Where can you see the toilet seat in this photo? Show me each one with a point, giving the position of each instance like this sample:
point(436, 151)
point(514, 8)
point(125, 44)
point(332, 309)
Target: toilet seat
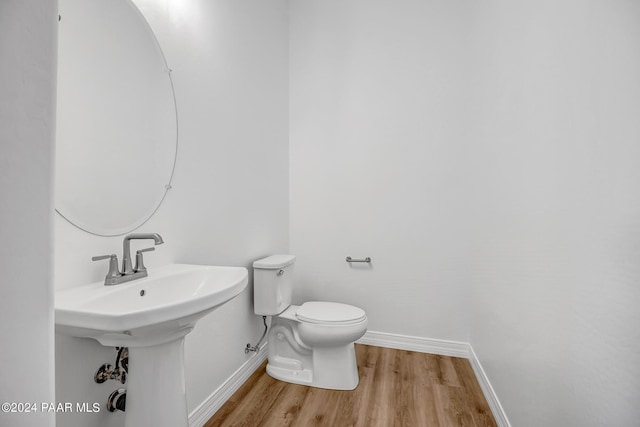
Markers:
point(330, 313)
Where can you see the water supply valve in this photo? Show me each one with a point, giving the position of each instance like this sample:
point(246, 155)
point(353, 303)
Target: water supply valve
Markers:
point(103, 373)
point(108, 372)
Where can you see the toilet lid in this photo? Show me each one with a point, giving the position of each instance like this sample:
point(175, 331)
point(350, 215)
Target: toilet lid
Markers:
point(329, 312)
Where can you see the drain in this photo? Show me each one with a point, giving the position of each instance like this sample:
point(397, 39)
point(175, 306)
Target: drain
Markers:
point(117, 400)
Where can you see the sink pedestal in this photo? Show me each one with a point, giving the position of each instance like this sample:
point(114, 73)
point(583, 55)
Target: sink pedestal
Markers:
point(155, 386)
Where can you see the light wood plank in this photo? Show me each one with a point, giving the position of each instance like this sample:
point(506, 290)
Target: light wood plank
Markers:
point(253, 405)
point(450, 407)
point(318, 408)
point(441, 370)
point(286, 409)
point(397, 388)
point(475, 399)
point(422, 399)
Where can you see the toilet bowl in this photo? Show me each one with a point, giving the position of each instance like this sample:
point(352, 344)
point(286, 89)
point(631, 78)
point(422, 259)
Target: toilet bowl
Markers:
point(310, 344)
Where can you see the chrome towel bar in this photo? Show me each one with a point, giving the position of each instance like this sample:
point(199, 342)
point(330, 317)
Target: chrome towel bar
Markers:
point(349, 259)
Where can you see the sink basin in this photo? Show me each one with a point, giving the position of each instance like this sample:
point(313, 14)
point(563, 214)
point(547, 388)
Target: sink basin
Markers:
point(150, 316)
point(147, 311)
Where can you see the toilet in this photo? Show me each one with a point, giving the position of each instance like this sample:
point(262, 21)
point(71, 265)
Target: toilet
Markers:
point(310, 344)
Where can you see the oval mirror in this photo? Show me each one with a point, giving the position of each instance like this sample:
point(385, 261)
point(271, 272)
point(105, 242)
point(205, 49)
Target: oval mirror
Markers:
point(116, 118)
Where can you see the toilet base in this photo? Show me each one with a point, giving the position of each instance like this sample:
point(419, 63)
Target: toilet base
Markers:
point(323, 365)
point(334, 368)
point(295, 376)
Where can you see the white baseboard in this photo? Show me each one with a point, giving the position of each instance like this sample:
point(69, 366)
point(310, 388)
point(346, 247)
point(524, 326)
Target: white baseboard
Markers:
point(421, 345)
point(444, 348)
point(205, 411)
point(487, 390)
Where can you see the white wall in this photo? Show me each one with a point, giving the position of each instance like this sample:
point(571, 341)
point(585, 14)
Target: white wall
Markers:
point(556, 143)
point(486, 155)
point(229, 202)
point(27, 123)
point(378, 100)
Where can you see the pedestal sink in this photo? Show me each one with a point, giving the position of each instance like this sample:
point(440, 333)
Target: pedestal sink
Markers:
point(151, 316)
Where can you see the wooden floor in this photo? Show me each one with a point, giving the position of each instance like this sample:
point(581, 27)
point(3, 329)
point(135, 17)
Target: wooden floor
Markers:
point(397, 388)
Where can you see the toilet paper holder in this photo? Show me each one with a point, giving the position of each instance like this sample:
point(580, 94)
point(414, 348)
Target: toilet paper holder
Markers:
point(349, 259)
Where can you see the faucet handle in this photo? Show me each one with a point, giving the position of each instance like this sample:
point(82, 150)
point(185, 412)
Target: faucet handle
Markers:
point(101, 257)
point(139, 261)
point(113, 267)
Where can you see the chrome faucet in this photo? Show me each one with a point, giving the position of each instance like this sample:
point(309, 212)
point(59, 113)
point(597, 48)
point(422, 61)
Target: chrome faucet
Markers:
point(126, 250)
point(114, 276)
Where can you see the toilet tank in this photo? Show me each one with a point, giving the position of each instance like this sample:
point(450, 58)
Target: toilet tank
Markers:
point(272, 284)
